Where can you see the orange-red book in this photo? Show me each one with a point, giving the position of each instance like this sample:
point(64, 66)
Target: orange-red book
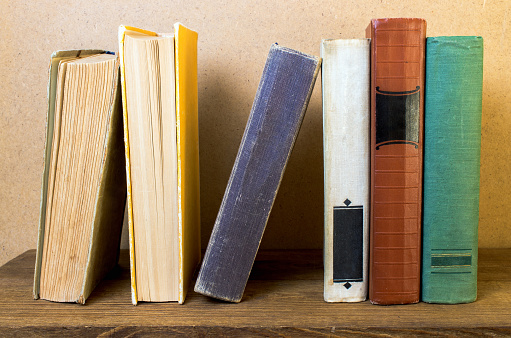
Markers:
point(397, 123)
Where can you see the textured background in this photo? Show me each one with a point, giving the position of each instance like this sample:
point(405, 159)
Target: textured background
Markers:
point(234, 39)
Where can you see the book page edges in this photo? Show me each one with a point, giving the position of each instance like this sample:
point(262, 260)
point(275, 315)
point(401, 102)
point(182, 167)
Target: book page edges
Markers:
point(187, 155)
point(52, 82)
point(110, 200)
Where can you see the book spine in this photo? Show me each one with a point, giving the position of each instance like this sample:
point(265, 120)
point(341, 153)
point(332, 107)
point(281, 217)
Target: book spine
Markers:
point(277, 113)
point(346, 121)
point(397, 122)
point(452, 149)
point(50, 117)
point(187, 115)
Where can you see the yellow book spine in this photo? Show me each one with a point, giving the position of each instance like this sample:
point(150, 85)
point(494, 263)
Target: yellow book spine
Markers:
point(187, 154)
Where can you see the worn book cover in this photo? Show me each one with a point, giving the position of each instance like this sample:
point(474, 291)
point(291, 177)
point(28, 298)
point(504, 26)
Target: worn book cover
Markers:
point(187, 143)
point(452, 151)
point(103, 240)
point(397, 124)
point(277, 113)
point(346, 120)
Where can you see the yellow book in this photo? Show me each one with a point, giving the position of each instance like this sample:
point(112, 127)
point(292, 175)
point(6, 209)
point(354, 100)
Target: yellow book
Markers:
point(160, 109)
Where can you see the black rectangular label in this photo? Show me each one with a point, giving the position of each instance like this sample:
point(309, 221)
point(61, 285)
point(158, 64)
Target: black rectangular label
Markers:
point(397, 117)
point(451, 260)
point(348, 244)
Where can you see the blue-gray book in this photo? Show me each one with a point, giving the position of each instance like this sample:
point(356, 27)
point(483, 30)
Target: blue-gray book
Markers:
point(275, 119)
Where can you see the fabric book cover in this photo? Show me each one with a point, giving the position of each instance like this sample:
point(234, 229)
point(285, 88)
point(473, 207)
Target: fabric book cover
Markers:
point(277, 113)
point(452, 149)
point(397, 124)
point(99, 240)
point(346, 119)
point(187, 240)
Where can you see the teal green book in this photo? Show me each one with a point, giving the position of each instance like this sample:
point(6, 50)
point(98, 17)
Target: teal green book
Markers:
point(452, 149)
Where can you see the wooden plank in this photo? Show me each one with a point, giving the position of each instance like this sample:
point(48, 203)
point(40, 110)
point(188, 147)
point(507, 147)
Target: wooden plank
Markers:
point(284, 296)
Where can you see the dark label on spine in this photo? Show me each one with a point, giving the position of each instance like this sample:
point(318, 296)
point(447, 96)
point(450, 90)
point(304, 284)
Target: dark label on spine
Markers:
point(450, 261)
point(348, 244)
point(397, 117)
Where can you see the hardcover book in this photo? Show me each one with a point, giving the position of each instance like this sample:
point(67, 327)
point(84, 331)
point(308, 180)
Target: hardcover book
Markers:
point(159, 83)
point(346, 120)
point(277, 113)
point(452, 149)
point(397, 123)
point(83, 184)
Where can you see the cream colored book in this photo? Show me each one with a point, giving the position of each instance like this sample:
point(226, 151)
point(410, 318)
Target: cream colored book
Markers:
point(346, 123)
point(159, 83)
point(84, 187)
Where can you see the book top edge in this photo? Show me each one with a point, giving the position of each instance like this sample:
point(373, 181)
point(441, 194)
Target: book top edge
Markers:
point(397, 19)
point(346, 42)
point(78, 52)
point(123, 29)
point(160, 36)
point(129, 30)
point(397, 25)
point(293, 51)
point(466, 38)
point(97, 58)
point(179, 25)
point(474, 43)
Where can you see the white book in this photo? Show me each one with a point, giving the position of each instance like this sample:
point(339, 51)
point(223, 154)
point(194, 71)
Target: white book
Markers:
point(346, 145)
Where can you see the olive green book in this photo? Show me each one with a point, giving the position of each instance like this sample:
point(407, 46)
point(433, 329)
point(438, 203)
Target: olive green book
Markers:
point(83, 185)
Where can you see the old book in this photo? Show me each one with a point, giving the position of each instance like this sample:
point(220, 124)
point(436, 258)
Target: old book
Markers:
point(346, 120)
point(159, 82)
point(278, 110)
point(397, 124)
point(84, 187)
point(452, 149)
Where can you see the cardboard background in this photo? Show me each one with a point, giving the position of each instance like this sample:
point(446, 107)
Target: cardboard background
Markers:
point(234, 39)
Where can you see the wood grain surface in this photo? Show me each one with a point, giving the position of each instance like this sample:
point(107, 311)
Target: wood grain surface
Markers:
point(284, 297)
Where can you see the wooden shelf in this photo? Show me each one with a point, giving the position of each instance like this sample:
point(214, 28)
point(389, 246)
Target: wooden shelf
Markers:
point(284, 296)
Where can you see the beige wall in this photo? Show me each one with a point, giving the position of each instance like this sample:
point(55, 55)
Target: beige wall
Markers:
point(234, 38)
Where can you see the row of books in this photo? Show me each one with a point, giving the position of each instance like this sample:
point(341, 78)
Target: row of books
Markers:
point(402, 137)
point(90, 172)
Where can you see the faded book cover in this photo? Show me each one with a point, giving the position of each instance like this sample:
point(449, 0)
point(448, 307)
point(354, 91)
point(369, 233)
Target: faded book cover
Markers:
point(452, 151)
point(346, 120)
point(277, 113)
point(397, 124)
